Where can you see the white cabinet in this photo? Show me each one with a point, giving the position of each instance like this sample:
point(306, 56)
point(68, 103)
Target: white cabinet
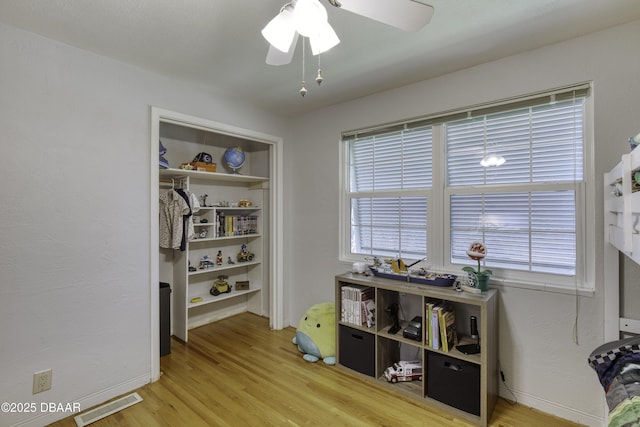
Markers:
point(622, 231)
point(234, 220)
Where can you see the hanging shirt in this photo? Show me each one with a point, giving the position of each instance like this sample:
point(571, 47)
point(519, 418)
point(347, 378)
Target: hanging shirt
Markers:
point(195, 207)
point(173, 207)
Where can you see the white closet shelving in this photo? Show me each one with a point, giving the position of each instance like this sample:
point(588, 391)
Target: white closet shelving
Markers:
point(622, 231)
point(192, 303)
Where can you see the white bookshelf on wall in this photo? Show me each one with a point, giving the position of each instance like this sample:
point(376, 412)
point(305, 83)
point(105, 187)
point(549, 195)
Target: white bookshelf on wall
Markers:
point(621, 235)
point(231, 228)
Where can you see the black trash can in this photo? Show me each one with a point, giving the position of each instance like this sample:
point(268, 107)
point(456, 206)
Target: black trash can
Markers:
point(165, 319)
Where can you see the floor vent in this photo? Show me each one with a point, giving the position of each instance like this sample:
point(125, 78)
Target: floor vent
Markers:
point(107, 409)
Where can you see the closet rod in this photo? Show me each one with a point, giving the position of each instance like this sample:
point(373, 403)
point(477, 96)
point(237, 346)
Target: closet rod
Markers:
point(172, 181)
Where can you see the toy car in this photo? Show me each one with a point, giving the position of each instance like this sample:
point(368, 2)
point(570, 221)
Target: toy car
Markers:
point(220, 286)
point(244, 255)
point(404, 371)
point(206, 262)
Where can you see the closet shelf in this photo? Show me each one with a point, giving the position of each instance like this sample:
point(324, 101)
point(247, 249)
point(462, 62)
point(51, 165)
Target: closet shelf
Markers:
point(214, 239)
point(210, 299)
point(224, 267)
point(212, 176)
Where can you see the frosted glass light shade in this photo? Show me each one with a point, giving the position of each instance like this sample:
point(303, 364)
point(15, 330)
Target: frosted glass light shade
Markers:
point(325, 40)
point(280, 31)
point(492, 160)
point(309, 17)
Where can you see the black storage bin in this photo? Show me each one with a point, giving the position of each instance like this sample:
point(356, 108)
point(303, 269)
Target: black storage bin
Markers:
point(165, 319)
point(454, 382)
point(357, 350)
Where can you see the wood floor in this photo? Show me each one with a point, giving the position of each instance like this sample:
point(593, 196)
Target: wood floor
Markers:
point(237, 372)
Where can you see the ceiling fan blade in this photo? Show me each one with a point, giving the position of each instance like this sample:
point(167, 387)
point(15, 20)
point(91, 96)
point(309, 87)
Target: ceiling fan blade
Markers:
point(408, 15)
point(277, 57)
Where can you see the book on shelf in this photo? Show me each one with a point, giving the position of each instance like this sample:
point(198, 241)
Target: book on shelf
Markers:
point(447, 324)
point(435, 327)
point(235, 225)
point(357, 305)
point(428, 317)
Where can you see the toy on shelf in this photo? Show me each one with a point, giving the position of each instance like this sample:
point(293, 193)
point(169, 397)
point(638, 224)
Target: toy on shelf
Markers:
point(404, 371)
point(206, 262)
point(396, 269)
point(220, 286)
point(244, 255)
point(219, 258)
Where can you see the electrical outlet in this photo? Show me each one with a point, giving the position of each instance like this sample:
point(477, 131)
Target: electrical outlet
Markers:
point(42, 381)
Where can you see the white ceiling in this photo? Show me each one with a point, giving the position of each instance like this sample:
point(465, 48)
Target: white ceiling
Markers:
point(217, 43)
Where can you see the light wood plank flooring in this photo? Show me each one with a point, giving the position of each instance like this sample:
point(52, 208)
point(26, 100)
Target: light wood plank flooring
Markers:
point(238, 372)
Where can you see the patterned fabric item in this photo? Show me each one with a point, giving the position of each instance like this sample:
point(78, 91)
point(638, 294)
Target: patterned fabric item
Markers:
point(617, 367)
point(608, 364)
point(626, 414)
point(172, 209)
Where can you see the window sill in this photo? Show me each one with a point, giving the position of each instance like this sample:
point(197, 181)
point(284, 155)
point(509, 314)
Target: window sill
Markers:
point(513, 283)
point(542, 287)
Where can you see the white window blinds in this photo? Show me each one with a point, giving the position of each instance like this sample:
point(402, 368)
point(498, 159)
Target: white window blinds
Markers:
point(530, 211)
point(389, 176)
point(534, 228)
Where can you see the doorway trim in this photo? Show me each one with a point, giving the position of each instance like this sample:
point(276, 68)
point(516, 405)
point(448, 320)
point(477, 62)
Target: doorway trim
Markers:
point(276, 219)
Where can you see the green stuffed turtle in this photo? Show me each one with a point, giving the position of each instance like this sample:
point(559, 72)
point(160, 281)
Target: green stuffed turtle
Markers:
point(316, 334)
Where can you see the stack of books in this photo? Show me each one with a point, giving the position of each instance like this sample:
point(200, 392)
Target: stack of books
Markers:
point(358, 306)
point(440, 319)
point(235, 225)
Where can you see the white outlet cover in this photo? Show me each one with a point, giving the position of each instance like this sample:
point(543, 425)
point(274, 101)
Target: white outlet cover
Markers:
point(42, 381)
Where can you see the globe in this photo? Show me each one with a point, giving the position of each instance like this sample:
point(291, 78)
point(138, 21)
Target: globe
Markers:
point(234, 158)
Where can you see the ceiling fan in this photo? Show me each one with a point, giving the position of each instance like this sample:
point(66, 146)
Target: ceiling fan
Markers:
point(309, 19)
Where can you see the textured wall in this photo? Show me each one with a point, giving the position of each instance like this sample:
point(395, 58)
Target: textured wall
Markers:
point(74, 230)
point(540, 359)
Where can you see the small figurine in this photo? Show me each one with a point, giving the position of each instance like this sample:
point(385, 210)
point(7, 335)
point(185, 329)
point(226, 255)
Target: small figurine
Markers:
point(220, 286)
point(230, 261)
point(206, 262)
point(244, 255)
point(204, 200)
point(219, 258)
point(203, 233)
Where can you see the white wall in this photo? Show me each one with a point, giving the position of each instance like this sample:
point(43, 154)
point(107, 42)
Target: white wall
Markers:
point(74, 255)
point(74, 229)
point(541, 362)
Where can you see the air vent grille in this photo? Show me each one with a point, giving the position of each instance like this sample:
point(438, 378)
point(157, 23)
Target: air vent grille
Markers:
point(107, 409)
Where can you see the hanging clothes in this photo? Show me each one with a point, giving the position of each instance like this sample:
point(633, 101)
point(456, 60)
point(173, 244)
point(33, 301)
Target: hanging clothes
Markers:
point(195, 207)
point(185, 219)
point(173, 207)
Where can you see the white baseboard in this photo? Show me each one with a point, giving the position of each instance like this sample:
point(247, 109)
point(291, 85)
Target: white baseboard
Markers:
point(86, 402)
point(554, 408)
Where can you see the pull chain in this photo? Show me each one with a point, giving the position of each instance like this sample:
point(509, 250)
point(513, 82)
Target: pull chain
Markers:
point(303, 89)
point(319, 77)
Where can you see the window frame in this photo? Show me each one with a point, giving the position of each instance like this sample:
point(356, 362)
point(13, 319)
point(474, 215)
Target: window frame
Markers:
point(439, 199)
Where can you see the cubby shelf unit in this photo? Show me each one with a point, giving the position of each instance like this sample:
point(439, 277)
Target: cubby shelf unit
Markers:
point(373, 348)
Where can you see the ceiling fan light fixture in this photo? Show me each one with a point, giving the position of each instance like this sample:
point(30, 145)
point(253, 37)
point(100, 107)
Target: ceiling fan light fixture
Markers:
point(309, 16)
point(280, 31)
point(325, 40)
point(492, 160)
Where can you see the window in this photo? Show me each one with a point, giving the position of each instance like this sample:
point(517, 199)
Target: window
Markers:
point(529, 211)
point(390, 177)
